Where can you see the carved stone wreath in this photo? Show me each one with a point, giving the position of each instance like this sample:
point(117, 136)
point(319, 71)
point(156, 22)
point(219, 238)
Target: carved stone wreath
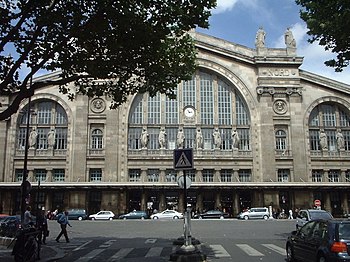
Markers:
point(98, 105)
point(280, 107)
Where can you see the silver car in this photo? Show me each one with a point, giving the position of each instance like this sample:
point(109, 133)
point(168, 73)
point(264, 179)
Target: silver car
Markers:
point(306, 215)
point(255, 213)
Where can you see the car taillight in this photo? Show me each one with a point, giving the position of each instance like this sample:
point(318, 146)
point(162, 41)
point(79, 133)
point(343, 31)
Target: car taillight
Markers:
point(339, 247)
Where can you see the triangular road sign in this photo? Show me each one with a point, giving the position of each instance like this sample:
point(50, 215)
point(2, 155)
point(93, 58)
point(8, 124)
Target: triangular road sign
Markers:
point(183, 161)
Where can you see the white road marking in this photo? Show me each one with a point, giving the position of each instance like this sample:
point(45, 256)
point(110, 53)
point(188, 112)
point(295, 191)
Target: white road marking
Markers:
point(83, 245)
point(151, 241)
point(120, 254)
point(249, 250)
point(275, 248)
point(90, 255)
point(219, 251)
point(154, 252)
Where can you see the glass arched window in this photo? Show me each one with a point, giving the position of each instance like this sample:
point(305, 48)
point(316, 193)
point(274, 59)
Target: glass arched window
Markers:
point(281, 140)
point(49, 120)
point(97, 139)
point(213, 102)
point(329, 128)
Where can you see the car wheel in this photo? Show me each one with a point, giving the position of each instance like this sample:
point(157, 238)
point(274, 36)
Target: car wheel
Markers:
point(246, 217)
point(142, 218)
point(80, 218)
point(290, 253)
point(266, 217)
point(111, 218)
point(92, 218)
point(175, 217)
point(124, 218)
point(200, 217)
point(155, 217)
point(222, 217)
point(321, 258)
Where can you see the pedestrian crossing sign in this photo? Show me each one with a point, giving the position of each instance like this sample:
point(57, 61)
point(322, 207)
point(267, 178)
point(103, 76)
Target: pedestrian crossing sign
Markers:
point(183, 158)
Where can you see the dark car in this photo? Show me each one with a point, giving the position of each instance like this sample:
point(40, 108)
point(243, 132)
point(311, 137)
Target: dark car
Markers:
point(134, 215)
point(212, 214)
point(77, 214)
point(321, 241)
point(306, 215)
point(9, 226)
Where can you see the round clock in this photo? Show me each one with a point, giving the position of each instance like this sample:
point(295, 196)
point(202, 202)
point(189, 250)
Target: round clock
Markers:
point(189, 111)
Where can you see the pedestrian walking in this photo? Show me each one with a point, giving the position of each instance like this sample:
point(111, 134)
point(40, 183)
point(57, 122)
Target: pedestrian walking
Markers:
point(290, 214)
point(42, 227)
point(63, 221)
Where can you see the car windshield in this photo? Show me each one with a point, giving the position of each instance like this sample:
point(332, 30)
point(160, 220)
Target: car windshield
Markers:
point(344, 231)
point(320, 215)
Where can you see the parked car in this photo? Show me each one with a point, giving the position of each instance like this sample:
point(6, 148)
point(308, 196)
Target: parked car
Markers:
point(9, 226)
point(212, 214)
point(167, 214)
point(106, 215)
point(77, 214)
point(255, 213)
point(320, 240)
point(134, 215)
point(306, 215)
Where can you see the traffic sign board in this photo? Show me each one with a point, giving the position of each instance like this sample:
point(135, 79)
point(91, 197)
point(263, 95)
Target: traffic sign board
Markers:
point(183, 158)
point(317, 202)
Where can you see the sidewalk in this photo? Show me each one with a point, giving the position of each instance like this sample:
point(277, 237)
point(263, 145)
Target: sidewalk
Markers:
point(48, 252)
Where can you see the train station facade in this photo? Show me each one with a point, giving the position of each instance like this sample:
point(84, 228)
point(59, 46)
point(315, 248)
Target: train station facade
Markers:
point(263, 133)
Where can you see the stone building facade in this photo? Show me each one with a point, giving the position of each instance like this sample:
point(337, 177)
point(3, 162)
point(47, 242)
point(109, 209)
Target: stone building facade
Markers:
point(263, 133)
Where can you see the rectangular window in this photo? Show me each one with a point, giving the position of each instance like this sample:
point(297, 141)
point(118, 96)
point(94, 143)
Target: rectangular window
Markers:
point(134, 175)
point(58, 175)
point(329, 118)
point(21, 138)
point(191, 174)
point(226, 138)
point(332, 141)
point(189, 92)
point(244, 135)
point(208, 175)
point(226, 175)
point(334, 176)
point(44, 113)
point(95, 174)
point(171, 111)
point(241, 113)
point(344, 119)
point(224, 103)
point(171, 176)
point(190, 137)
point(171, 137)
point(314, 140)
point(207, 138)
point(61, 138)
point(18, 175)
point(316, 176)
point(40, 174)
point(134, 138)
point(153, 175)
point(136, 117)
point(42, 138)
point(154, 109)
point(347, 176)
point(346, 135)
point(61, 117)
point(206, 99)
point(244, 175)
point(283, 175)
point(153, 142)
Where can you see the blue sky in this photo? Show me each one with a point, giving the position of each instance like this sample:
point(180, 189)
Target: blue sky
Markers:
point(238, 21)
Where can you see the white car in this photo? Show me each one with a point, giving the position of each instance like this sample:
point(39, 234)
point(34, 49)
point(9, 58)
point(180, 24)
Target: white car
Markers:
point(106, 215)
point(167, 214)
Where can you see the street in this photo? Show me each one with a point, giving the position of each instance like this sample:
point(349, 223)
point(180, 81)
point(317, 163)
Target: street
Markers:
point(152, 240)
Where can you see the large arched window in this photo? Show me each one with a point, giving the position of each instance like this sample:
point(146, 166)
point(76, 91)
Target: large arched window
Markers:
point(49, 120)
point(203, 103)
point(329, 128)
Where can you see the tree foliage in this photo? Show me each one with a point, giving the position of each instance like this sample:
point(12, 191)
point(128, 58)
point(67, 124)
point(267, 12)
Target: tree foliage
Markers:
point(328, 22)
point(106, 47)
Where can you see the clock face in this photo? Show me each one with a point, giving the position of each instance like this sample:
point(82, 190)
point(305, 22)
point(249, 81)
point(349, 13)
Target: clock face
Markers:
point(189, 111)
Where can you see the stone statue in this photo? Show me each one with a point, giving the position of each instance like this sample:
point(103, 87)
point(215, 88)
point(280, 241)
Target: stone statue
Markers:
point(323, 140)
point(33, 138)
point(289, 39)
point(340, 140)
point(260, 38)
point(235, 138)
point(51, 138)
point(144, 138)
point(180, 138)
point(162, 138)
point(217, 138)
point(199, 139)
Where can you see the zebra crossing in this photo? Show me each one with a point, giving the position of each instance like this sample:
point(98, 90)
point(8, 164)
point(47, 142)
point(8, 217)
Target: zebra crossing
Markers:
point(111, 251)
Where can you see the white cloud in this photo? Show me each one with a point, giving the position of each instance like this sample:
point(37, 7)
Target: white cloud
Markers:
point(224, 6)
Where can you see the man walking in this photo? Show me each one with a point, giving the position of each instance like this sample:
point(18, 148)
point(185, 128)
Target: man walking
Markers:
point(63, 221)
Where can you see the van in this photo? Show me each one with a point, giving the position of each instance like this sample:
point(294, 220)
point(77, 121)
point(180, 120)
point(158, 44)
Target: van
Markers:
point(77, 214)
point(255, 213)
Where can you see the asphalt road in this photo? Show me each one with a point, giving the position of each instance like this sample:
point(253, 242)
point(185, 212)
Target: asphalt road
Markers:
point(153, 240)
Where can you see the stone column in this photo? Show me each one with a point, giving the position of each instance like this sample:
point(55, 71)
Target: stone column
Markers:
point(345, 203)
point(199, 176)
point(218, 200)
point(162, 202)
point(49, 175)
point(144, 176)
point(327, 204)
point(236, 209)
point(217, 177)
point(143, 200)
point(31, 177)
point(235, 177)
